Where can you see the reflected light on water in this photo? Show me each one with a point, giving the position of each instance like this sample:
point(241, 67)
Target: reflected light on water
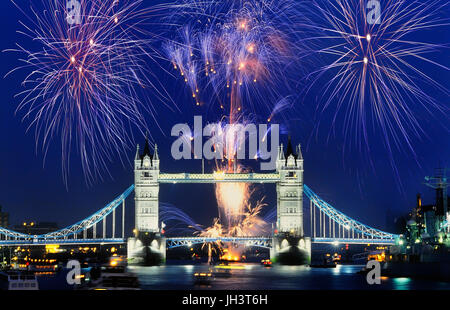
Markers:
point(257, 277)
point(189, 267)
point(337, 270)
point(401, 283)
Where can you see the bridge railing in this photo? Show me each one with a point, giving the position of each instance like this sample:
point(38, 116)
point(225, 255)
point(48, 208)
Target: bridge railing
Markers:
point(218, 177)
point(34, 242)
point(173, 242)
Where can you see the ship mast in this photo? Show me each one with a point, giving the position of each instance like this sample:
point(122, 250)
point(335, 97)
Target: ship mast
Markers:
point(439, 182)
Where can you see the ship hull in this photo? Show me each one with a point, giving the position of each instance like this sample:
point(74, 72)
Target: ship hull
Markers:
point(425, 270)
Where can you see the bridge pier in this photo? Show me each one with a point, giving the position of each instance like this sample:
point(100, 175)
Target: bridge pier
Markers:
point(289, 244)
point(146, 249)
point(289, 249)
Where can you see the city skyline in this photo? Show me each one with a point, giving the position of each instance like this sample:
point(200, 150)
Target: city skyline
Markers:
point(29, 190)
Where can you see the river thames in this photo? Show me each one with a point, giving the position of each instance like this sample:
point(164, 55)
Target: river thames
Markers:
point(256, 277)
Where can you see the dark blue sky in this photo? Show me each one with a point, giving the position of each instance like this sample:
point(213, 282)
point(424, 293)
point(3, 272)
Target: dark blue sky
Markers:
point(32, 190)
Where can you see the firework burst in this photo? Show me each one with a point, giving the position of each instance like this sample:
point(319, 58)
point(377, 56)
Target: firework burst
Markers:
point(375, 78)
point(234, 54)
point(85, 71)
point(237, 218)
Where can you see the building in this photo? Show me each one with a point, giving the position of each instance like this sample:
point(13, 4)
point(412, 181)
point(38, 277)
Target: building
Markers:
point(4, 218)
point(34, 228)
point(428, 219)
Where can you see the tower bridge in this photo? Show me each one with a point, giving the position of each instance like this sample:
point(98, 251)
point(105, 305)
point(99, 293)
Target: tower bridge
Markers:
point(327, 224)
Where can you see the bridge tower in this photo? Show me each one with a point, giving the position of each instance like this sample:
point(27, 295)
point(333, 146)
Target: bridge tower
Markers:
point(290, 191)
point(146, 171)
point(290, 245)
point(148, 246)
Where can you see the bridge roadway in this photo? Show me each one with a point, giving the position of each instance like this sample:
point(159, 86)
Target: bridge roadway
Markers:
point(353, 241)
point(173, 242)
point(264, 242)
point(218, 177)
point(100, 241)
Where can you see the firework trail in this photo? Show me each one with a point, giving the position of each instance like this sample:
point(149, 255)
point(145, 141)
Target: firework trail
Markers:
point(86, 75)
point(234, 55)
point(374, 73)
point(251, 222)
point(244, 220)
point(177, 222)
point(247, 221)
point(236, 215)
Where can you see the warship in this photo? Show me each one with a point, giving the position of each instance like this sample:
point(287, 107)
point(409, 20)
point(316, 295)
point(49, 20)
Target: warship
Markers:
point(423, 250)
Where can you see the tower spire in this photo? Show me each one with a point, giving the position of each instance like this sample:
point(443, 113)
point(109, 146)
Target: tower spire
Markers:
point(155, 155)
point(280, 152)
point(299, 152)
point(290, 149)
point(147, 148)
point(137, 157)
point(146, 151)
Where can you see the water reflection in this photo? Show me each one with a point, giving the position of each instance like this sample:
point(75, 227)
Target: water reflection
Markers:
point(402, 283)
point(257, 277)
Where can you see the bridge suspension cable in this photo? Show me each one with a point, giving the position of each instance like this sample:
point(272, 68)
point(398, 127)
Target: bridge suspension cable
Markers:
point(80, 227)
point(92, 220)
point(328, 224)
point(12, 234)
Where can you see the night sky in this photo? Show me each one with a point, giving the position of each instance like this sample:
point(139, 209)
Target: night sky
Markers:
point(33, 189)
